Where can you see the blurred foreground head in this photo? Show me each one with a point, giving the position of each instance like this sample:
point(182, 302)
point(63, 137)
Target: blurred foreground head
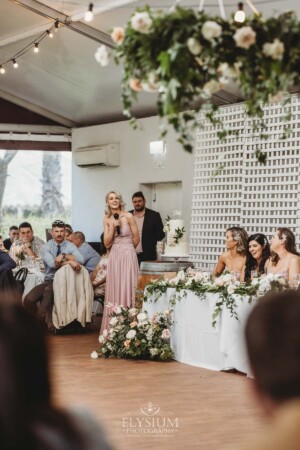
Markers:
point(273, 341)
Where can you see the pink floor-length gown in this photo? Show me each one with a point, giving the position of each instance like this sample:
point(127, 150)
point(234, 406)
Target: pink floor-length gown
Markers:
point(122, 274)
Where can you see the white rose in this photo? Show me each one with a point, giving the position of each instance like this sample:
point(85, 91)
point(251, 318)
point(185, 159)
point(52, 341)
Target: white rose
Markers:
point(194, 46)
point(245, 37)
point(102, 55)
point(228, 71)
point(142, 317)
point(131, 334)
point(211, 30)
point(133, 311)
point(166, 334)
point(142, 22)
point(211, 87)
point(118, 35)
point(231, 289)
point(113, 321)
point(101, 339)
point(105, 333)
point(94, 355)
point(153, 351)
point(274, 50)
point(151, 85)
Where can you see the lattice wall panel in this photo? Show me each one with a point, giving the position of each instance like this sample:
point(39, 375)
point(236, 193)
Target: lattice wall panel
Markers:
point(244, 193)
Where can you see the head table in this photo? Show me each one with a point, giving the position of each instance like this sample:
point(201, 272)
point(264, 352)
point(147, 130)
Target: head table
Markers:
point(193, 338)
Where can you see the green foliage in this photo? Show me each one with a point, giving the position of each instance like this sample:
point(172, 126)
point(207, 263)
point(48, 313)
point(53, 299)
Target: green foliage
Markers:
point(133, 335)
point(183, 80)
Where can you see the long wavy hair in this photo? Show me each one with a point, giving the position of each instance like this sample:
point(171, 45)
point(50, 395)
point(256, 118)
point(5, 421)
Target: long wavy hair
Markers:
point(289, 243)
point(240, 235)
point(251, 263)
point(107, 210)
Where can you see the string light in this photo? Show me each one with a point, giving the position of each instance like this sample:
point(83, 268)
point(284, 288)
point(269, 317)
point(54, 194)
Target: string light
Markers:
point(34, 44)
point(88, 17)
point(240, 15)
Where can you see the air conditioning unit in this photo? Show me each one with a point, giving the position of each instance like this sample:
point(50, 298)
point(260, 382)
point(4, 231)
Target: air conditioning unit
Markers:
point(98, 155)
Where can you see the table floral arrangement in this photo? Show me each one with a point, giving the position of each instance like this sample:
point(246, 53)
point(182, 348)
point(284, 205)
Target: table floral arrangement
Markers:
point(226, 286)
point(133, 335)
point(184, 56)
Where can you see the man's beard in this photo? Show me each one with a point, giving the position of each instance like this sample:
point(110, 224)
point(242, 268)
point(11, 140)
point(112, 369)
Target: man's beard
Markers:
point(139, 208)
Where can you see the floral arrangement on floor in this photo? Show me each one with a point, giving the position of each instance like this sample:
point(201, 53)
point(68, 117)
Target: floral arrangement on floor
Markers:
point(226, 286)
point(133, 335)
point(184, 56)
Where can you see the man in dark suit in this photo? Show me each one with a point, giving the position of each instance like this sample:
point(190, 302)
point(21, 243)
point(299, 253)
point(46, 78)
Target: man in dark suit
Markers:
point(150, 227)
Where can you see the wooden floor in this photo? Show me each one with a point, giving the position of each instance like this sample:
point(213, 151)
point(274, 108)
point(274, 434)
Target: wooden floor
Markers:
point(215, 410)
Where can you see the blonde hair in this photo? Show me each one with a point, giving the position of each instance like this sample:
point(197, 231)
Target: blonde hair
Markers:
point(107, 210)
point(241, 237)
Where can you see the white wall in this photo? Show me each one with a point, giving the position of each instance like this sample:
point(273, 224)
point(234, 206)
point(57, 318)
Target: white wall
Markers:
point(89, 185)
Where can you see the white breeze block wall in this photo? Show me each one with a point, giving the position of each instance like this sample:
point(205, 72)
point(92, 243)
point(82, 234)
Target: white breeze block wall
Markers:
point(245, 193)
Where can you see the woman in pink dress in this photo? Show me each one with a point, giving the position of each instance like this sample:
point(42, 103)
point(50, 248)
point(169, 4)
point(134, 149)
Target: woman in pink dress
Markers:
point(121, 236)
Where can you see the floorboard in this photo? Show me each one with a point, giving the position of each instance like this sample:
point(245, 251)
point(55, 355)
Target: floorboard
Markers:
point(215, 410)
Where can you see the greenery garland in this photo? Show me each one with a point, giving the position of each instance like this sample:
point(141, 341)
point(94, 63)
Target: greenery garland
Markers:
point(185, 56)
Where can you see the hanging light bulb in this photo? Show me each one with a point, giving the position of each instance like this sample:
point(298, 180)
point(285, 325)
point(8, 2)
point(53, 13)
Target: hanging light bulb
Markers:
point(36, 48)
point(56, 25)
point(50, 34)
point(240, 15)
point(88, 17)
point(2, 70)
point(15, 64)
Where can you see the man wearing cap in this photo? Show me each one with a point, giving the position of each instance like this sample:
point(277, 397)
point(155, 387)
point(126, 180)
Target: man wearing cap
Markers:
point(56, 253)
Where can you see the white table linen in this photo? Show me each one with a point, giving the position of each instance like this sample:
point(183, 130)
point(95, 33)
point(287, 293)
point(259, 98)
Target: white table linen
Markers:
point(194, 340)
point(34, 277)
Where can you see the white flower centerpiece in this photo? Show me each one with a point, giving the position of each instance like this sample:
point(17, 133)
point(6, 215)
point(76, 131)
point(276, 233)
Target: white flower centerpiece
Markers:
point(133, 334)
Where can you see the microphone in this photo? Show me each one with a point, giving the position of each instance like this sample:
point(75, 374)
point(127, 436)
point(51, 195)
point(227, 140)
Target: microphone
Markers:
point(116, 217)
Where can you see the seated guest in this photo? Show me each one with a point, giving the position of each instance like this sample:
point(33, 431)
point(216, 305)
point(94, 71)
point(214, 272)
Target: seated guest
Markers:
point(91, 257)
point(6, 262)
point(273, 342)
point(2, 245)
point(13, 236)
point(258, 251)
point(98, 276)
point(284, 259)
point(27, 243)
point(68, 230)
point(28, 416)
point(234, 258)
point(56, 253)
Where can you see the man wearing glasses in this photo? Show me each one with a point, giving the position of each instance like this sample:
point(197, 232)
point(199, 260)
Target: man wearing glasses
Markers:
point(56, 253)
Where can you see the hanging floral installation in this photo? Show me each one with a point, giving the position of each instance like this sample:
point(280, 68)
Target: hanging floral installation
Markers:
point(184, 57)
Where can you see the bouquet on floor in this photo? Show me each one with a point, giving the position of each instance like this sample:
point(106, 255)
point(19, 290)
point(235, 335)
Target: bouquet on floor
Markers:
point(133, 334)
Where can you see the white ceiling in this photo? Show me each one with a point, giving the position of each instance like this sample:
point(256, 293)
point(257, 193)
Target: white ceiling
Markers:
point(64, 82)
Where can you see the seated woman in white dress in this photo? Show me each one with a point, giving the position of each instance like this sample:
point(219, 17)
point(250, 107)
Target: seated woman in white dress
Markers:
point(284, 259)
point(258, 252)
point(233, 259)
